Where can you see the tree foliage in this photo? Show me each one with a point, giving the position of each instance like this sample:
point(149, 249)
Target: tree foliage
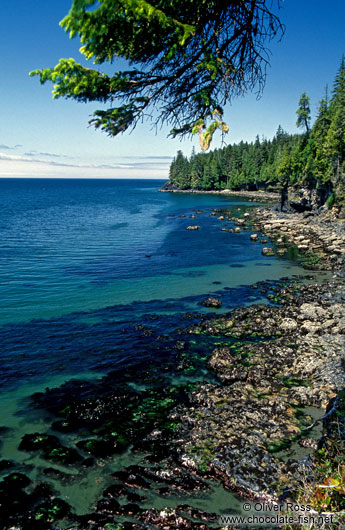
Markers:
point(303, 112)
point(315, 159)
point(187, 59)
point(257, 165)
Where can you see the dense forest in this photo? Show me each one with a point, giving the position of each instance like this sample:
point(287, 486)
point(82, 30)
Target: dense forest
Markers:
point(315, 158)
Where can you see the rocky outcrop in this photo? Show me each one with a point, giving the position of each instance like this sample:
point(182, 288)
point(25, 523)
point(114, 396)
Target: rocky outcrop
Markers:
point(319, 240)
point(294, 359)
point(211, 301)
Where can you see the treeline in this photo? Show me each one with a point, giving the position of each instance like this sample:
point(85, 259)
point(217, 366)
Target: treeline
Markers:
point(314, 158)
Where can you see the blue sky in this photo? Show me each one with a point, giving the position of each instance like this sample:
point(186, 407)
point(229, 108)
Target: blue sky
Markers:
point(41, 137)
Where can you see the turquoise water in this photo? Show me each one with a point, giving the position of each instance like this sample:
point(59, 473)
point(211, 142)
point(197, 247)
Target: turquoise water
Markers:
point(81, 245)
point(79, 258)
point(83, 262)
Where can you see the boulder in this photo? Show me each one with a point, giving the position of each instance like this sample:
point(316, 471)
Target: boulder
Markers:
point(288, 324)
point(312, 312)
point(266, 251)
point(211, 301)
point(310, 327)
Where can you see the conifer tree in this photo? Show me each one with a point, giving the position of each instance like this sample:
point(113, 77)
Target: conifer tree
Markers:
point(303, 113)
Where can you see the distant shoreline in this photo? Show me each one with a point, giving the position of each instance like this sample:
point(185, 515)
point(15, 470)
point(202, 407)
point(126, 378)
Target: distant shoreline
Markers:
point(253, 195)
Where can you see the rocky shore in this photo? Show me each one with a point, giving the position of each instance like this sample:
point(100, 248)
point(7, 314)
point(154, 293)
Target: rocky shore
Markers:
point(284, 360)
point(254, 196)
point(249, 427)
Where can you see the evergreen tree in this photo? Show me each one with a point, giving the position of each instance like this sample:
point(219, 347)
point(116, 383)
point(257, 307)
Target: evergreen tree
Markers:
point(315, 158)
point(319, 133)
point(303, 113)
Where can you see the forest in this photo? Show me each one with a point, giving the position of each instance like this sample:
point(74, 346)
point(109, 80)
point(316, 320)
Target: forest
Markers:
point(314, 159)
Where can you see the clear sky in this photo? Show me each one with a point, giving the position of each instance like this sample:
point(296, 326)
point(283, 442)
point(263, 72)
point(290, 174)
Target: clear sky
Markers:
point(41, 137)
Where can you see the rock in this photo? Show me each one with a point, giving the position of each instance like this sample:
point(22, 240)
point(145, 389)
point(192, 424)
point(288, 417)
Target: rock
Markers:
point(6, 464)
point(237, 230)
point(254, 237)
point(310, 327)
point(211, 302)
point(100, 448)
point(341, 326)
point(308, 443)
point(266, 251)
point(50, 448)
point(288, 324)
point(303, 248)
point(195, 227)
point(328, 324)
point(312, 312)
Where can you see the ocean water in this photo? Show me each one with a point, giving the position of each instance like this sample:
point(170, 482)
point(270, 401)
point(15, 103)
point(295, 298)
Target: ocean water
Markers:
point(79, 258)
point(83, 263)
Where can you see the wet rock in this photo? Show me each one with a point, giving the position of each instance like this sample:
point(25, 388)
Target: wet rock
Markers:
point(49, 511)
point(133, 477)
point(211, 301)
point(254, 237)
point(38, 441)
point(6, 464)
point(16, 480)
point(266, 251)
point(109, 506)
point(50, 448)
point(308, 443)
point(194, 227)
point(100, 448)
point(170, 519)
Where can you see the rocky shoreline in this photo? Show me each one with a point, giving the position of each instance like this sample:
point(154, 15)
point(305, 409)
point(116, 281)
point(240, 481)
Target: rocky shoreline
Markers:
point(248, 427)
point(255, 196)
point(284, 360)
